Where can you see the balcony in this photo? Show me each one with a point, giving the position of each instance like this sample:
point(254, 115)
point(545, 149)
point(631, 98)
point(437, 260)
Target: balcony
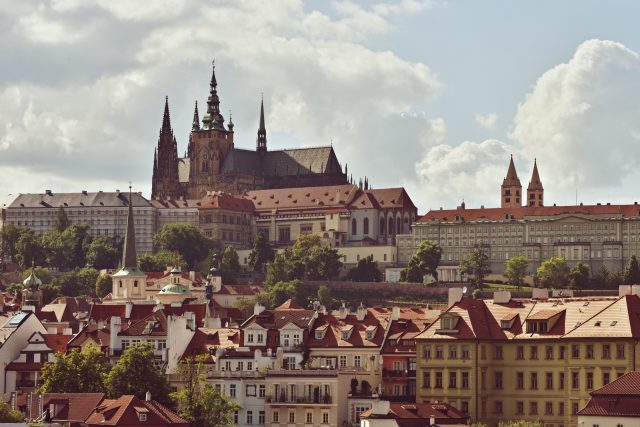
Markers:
point(398, 373)
point(25, 383)
point(235, 374)
point(304, 400)
point(302, 373)
point(398, 398)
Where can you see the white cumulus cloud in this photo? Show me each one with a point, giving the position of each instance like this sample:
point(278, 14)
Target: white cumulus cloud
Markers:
point(487, 121)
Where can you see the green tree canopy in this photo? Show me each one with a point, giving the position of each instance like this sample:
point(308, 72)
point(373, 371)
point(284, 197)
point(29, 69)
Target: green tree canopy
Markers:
point(43, 274)
point(516, 270)
point(282, 291)
point(324, 297)
point(200, 403)
point(261, 254)
point(187, 240)
point(75, 240)
point(101, 253)
point(161, 260)
point(104, 285)
point(477, 263)
point(579, 276)
point(602, 277)
point(62, 220)
point(427, 258)
point(365, 271)
point(632, 272)
point(76, 372)
point(412, 274)
point(553, 273)
point(9, 415)
point(137, 373)
point(229, 265)
point(78, 282)
point(9, 236)
point(49, 292)
point(29, 249)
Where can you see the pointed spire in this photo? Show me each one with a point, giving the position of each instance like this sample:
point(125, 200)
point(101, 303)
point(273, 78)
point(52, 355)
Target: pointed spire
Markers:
point(230, 125)
point(195, 125)
point(512, 175)
point(535, 183)
point(213, 119)
point(129, 257)
point(166, 120)
point(261, 141)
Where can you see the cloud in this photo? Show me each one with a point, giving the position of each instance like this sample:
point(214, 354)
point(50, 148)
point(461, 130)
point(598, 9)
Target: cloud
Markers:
point(471, 170)
point(487, 121)
point(582, 121)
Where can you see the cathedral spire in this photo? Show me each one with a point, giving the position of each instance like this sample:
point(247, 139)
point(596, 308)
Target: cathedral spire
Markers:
point(166, 119)
point(261, 141)
point(535, 183)
point(512, 175)
point(511, 189)
point(213, 119)
point(195, 125)
point(535, 191)
point(129, 257)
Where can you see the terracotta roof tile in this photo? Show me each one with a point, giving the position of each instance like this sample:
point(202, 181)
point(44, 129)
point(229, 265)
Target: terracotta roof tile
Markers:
point(122, 411)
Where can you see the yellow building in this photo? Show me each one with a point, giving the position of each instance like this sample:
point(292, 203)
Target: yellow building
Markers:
point(530, 359)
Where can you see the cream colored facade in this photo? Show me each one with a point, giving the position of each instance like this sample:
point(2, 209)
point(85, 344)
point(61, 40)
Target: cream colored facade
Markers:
point(578, 234)
point(227, 227)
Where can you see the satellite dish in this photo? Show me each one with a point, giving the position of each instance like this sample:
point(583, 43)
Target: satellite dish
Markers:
point(464, 290)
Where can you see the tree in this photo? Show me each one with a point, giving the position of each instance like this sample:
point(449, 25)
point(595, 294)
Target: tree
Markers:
point(516, 270)
point(62, 220)
point(282, 291)
point(15, 289)
point(77, 282)
point(75, 240)
point(54, 249)
point(553, 273)
point(411, 274)
point(137, 373)
point(365, 271)
point(477, 263)
point(9, 236)
point(202, 404)
point(277, 270)
point(229, 265)
point(520, 423)
point(49, 292)
point(76, 372)
point(245, 305)
point(324, 296)
point(632, 271)
point(602, 277)
point(579, 276)
point(87, 278)
point(29, 249)
point(261, 254)
point(187, 240)
point(161, 260)
point(43, 274)
point(101, 253)
point(427, 258)
point(104, 285)
point(10, 415)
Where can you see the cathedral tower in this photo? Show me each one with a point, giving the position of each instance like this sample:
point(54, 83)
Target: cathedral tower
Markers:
point(511, 189)
point(535, 191)
point(165, 182)
point(209, 146)
point(261, 140)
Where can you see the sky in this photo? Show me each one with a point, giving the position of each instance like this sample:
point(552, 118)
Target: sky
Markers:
point(431, 95)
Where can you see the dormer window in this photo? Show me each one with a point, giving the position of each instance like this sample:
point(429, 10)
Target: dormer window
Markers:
point(319, 335)
point(142, 417)
point(448, 324)
point(345, 335)
point(370, 335)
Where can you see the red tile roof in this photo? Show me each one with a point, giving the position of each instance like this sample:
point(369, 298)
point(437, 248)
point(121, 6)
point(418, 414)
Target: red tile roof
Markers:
point(206, 339)
point(333, 328)
point(289, 305)
point(415, 414)
point(276, 319)
point(100, 336)
point(226, 201)
point(57, 342)
point(620, 398)
point(71, 406)
point(249, 290)
point(124, 411)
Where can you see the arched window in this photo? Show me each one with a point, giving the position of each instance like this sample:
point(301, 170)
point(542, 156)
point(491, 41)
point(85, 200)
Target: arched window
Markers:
point(391, 228)
point(354, 227)
point(381, 226)
point(398, 226)
point(365, 226)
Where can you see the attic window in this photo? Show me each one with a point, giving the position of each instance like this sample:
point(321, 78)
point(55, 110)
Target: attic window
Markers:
point(614, 323)
point(598, 323)
point(319, 335)
point(142, 417)
point(586, 303)
point(369, 335)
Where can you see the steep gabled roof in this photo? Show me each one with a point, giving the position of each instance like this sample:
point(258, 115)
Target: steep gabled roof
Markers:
point(125, 410)
point(356, 329)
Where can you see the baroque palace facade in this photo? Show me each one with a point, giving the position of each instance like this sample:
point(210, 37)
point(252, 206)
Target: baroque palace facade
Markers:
point(597, 235)
point(213, 163)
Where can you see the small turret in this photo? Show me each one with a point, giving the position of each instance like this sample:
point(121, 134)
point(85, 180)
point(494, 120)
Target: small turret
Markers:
point(261, 140)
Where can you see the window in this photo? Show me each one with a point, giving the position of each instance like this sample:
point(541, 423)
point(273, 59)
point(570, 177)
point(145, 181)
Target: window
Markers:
point(574, 408)
point(548, 408)
point(534, 352)
point(292, 417)
point(620, 351)
point(520, 380)
point(343, 361)
point(309, 417)
point(465, 380)
point(438, 379)
point(453, 380)
point(519, 407)
point(589, 380)
point(498, 381)
point(354, 227)
point(249, 366)
point(232, 390)
point(356, 361)
point(249, 417)
point(453, 352)
point(325, 418)
point(275, 417)
point(497, 352)
point(426, 379)
point(464, 407)
point(589, 351)
point(575, 351)
point(560, 408)
point(520, 352)
point(563, 350)
point(261, 417)
point(606, 351)
point(284, 234)
point(533, 408)
point(575, 380)
point(534, 381)
point(465, 352)
point(426, 352)
point(549, 381)
point(561, 381)
point(439, 352)
point(142, 417)
point(549, 352)
point(606, 378)
point(365, 226)
point(498, 407)
point(236, 417)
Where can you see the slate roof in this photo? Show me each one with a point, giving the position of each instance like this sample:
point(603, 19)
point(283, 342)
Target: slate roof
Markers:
point(88, 199)
point(124, 411)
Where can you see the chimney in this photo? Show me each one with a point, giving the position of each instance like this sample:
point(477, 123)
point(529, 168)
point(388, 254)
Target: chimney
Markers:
point(214, 322)
point(342, 313)
point(127, 309)
point(395, 313)
point(113, 334)
point(258, 308)
point(455, 296)
point(361, 312)
point(381, 407)
point(147, 396)
point(192, 276)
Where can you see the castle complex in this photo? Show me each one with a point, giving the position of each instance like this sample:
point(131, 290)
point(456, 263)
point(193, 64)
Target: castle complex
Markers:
point(213, 163)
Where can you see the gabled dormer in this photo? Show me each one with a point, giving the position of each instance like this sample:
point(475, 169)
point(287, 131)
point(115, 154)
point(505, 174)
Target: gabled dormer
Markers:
point(345, 332)
point(370, 332)
point(448, 324)
point(321, 331)
point(508, 320)
point(542, 321)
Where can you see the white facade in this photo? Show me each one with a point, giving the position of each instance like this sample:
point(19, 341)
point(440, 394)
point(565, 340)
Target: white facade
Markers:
point(604, 421)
